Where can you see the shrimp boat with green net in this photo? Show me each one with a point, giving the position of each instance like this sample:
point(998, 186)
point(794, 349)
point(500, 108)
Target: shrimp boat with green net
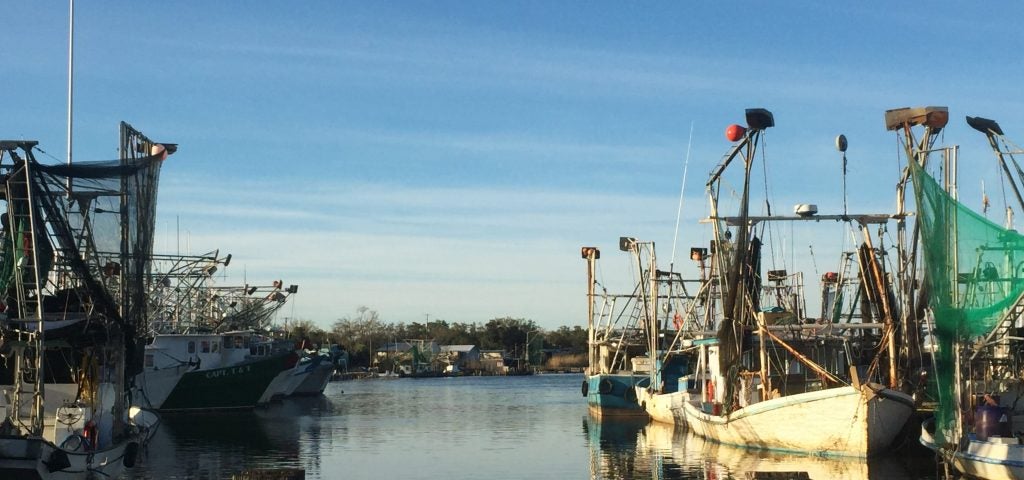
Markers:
point(974, 269)
point(761, 374)
point(75, 246)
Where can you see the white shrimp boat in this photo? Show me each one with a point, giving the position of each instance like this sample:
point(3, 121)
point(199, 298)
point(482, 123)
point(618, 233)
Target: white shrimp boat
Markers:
point(72, 294)
point(765, 376)
point(843, 421)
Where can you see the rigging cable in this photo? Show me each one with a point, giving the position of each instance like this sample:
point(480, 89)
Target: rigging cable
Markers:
point(768, 208)
point(679, 208)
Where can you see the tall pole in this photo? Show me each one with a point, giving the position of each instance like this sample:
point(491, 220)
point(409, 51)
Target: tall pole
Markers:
point(591, 254)
point(71, 74)
point(528, 348)
point(652, 314)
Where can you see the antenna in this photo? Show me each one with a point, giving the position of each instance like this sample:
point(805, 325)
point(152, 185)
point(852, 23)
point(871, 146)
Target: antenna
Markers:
point(682, 190)
point(841, 146)
point(984, 200)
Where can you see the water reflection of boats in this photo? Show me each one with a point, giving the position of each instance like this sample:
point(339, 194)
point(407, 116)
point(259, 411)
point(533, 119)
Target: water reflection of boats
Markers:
point(665, 445)
point(623, 448)
point(613, 447)
point(221, 445)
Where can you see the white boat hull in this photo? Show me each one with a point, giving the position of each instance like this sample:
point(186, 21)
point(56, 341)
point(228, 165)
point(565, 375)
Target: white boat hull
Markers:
point(840, 421)
point(308, 378)
point(154, 386)
point(997, 459)
point(316, 380)
point(37, 458)
point(665, 407)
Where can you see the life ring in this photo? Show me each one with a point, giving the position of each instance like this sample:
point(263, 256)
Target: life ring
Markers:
point(605, 387)
point(711, 390)
point(586, 388)
point(75, 443)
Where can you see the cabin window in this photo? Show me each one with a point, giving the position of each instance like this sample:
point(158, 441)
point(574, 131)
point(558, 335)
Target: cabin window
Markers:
point(253, 349)
point(205, 346)
point(238, 342)
point(192, 346)
point(246, 342)
point(149, 360)
point(216, 347)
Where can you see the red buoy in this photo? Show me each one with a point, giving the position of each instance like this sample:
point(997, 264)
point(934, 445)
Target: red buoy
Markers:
point(734, 132)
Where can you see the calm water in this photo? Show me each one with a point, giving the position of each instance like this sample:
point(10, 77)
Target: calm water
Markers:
point(467, 428)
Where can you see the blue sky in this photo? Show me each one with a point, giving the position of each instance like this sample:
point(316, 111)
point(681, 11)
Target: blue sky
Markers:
point(450, 158)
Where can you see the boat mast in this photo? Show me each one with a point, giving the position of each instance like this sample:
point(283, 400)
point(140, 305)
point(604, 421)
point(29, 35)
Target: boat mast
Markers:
point(591, 254)
point(735, 302)
point(993, 132)
point(39, 340)
point(901, 120)
point(71, 76)
point(651, 312)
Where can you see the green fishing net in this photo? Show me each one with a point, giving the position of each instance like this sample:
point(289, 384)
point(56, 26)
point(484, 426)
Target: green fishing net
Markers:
point(974, 268)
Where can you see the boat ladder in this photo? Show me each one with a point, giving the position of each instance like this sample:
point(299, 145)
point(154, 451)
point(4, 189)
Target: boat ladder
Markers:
point(1001, 332)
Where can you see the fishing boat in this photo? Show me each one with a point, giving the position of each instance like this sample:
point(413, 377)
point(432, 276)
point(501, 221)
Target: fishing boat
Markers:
point(210, 371)
point(75, 247)
point(617, 345)
point(764, 375)
point(314, 371)
point(973, 268)
point(309, 376)
point(204, 351)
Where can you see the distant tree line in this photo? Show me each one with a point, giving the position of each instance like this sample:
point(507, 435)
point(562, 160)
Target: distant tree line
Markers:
point(365, 332)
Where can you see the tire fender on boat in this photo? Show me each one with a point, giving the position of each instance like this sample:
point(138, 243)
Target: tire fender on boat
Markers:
point(605, 386)
point(586, 388)
point(58, 461)
point(131, 451)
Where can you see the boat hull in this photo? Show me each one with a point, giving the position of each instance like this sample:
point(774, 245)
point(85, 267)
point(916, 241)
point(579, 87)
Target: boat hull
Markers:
point(304, 379)
point(842, 421)
point(34, 458)
point(233, 387)
point(1002, 458)
point(613, 394)
point(316, 378)
point(664, 408)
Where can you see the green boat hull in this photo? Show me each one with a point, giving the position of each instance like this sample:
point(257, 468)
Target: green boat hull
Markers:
point(235, 387)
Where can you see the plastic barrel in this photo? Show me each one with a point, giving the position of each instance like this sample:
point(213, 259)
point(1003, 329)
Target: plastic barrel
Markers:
point(991, 421)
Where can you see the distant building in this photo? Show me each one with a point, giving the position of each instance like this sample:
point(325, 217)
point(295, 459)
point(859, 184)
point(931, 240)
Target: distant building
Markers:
point(493, 362)
point(462, 356)
point(417, 355)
